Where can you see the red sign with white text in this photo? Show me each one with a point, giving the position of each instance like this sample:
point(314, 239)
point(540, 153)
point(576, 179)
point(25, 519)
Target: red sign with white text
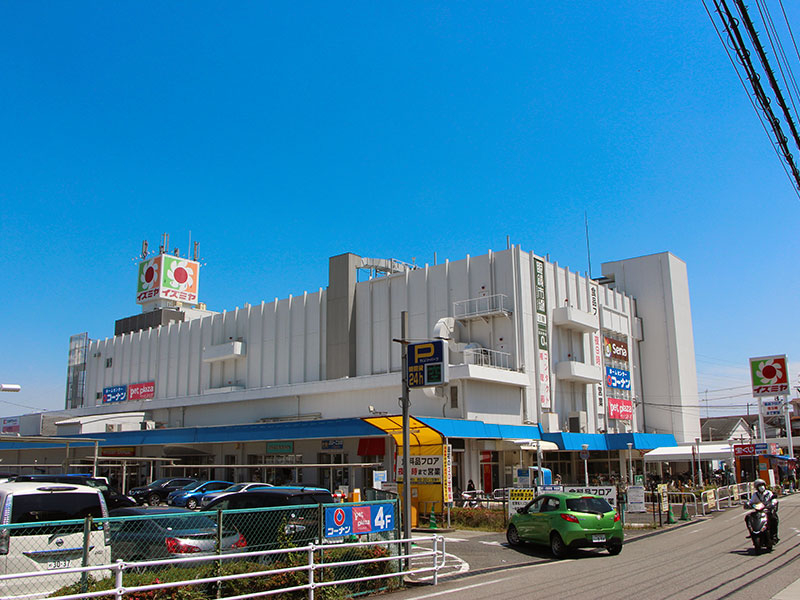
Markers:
point(142, 391)
point(620, 409)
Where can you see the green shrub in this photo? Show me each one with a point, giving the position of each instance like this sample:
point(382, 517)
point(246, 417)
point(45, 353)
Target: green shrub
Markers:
point(251, 585)
point(477, 518)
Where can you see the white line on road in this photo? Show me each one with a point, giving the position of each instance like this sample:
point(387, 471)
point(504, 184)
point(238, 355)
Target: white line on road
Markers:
point(475, 585)
point(461, 589)
point(493, 543)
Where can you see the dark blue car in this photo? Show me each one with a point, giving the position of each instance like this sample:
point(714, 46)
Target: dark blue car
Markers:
point(190, 495)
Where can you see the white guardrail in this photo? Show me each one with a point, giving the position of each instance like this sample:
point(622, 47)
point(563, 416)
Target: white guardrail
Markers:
point(311, 566)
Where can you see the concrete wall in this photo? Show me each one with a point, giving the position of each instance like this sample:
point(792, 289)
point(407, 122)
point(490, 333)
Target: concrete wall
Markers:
point(660, 284)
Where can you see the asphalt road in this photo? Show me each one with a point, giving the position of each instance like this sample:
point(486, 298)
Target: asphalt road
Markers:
point(705, 559)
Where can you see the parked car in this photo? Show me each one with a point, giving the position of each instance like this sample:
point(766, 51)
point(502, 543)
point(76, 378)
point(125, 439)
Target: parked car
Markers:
point(155, 533)
point(263, 529)
point(236, 487)
point(156, 492)
point(47, 547)
point(565, 521)
point(112, 497)
point(190, 495)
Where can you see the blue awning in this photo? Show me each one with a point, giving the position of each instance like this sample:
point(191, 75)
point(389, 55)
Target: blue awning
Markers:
point(640, 441)
point(295, 430)
point(575, 441)
point(468, 429)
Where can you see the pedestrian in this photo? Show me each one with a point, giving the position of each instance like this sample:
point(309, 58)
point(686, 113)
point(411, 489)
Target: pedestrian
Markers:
point(470, 486)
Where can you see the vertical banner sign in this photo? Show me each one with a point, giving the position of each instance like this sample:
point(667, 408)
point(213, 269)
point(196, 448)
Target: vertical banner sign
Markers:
point(448, 473)
point(541, 334)
point(769, 375)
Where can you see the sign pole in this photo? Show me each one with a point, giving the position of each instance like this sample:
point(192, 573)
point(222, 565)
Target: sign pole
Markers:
point(788, 425)
point(406, 437)
point(761, 421)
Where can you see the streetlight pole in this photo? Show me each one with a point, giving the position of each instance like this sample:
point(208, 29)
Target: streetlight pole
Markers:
point(585, 454)
point(630, 464)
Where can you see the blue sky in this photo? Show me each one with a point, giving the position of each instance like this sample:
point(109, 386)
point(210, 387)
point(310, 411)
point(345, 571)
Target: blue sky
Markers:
point(278, 135)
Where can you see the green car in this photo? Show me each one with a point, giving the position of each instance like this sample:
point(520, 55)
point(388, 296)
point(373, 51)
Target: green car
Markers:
point(565, 521)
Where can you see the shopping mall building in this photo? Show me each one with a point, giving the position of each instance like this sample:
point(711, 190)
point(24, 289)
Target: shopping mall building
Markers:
point(539, 357)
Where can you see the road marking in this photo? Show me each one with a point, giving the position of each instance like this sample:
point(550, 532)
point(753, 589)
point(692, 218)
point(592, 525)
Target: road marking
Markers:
point(475, 585)
point(493, 543)
point(461, 589)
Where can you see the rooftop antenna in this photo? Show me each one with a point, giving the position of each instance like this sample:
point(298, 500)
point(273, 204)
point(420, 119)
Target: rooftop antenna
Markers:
point(588, 252)
point(194, 255)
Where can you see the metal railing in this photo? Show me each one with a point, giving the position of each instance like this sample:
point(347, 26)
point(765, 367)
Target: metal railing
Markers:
point(482, 306)
point(56, 548)
point(306, 575)
point(487, 358)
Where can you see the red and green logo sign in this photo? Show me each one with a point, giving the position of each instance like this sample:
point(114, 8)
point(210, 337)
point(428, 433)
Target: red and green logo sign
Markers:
point(170, 277)
point(769, 375)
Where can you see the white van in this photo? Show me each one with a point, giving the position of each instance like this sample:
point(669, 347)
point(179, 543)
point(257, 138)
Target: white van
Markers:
point(48, 547)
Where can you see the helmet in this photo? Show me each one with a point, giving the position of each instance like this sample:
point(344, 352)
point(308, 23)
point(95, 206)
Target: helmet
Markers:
point(759, 483)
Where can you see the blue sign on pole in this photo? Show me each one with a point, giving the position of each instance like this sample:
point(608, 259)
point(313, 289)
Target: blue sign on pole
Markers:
point(617, 378)
point(349, 519)
point(428, 364)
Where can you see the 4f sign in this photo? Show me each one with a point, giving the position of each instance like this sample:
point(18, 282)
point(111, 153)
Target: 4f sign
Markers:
point(769, 375)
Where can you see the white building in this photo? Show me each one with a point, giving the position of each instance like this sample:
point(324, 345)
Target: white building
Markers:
point(532, 344)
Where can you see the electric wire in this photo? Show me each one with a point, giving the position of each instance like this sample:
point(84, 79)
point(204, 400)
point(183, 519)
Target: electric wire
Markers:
point(779, 143)
point(776, 44)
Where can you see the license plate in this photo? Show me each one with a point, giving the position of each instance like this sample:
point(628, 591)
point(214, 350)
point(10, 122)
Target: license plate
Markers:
point(58, 564)
point(599, 539)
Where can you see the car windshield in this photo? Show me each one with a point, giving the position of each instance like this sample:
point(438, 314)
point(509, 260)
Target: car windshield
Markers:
point(588, 504)
point(235, 488)
point(159, 482)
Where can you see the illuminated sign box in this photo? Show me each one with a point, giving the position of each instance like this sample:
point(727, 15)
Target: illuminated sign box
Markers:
point(428, 364)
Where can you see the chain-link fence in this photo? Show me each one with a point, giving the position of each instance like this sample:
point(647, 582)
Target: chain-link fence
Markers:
point(179, 538)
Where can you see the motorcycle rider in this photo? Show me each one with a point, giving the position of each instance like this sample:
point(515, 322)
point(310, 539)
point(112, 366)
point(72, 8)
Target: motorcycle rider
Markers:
point(764, 495)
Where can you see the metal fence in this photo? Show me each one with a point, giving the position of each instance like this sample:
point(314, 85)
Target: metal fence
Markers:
point(308, 571)
point(73, 556)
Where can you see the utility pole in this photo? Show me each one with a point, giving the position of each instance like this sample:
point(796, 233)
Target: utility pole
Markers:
point(406, 508)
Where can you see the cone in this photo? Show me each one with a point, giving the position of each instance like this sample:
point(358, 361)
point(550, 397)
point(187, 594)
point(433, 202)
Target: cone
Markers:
point(670, 518)
point(685, 513)
point(432, 524)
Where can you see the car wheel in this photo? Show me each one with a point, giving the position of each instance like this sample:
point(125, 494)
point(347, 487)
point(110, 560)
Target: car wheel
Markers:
point(512, 535)
point(614, 549)
point(557, 546)
point(191, 503)
point(153, 500)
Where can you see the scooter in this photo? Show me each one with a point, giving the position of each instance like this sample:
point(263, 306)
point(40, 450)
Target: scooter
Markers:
point(759, 522)
point(470, 498)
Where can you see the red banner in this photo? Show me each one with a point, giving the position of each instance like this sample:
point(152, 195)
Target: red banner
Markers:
point(142, 391)
point(620, 409)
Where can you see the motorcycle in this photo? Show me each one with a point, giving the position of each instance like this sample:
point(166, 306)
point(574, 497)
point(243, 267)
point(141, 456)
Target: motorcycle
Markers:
point(759, 524)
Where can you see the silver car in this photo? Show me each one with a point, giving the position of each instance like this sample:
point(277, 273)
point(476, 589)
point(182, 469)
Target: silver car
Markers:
point(155, 533)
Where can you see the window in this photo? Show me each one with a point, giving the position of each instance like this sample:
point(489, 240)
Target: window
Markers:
point(30, 508)
point(589, 504)
point(453, 396)
point(109, 362)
